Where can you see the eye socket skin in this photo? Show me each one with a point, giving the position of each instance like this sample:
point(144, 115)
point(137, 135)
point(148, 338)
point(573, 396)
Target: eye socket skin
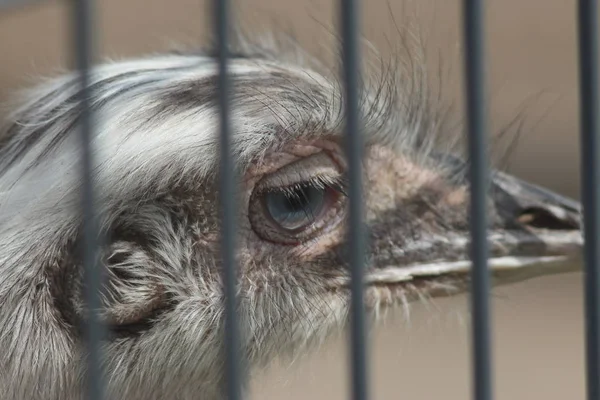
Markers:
point(298, 202)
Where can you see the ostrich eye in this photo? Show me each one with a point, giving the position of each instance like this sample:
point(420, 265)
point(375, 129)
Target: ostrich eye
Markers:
point(298, 202)
point(295, 208)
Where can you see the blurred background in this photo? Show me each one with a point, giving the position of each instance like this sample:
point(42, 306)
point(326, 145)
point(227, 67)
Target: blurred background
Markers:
point(537, 325)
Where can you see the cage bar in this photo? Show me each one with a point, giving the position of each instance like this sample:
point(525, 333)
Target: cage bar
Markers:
point(473, 14)
point(590, 184)
point(354, 153)
point(93, 329)
point(227, 197)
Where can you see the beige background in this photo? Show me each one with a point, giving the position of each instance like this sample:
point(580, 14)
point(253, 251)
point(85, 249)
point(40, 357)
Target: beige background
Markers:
point(538, 325)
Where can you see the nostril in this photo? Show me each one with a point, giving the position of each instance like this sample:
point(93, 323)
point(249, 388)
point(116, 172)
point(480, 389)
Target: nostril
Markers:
point(548, 217)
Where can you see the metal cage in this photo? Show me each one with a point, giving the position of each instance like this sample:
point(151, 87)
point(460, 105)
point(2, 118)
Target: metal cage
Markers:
point(475, 90)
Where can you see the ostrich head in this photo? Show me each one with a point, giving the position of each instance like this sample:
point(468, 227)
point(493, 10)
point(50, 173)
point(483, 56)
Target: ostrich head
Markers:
point(156, 166)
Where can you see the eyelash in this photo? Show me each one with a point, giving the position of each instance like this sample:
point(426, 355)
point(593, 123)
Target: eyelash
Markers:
point(339, 184)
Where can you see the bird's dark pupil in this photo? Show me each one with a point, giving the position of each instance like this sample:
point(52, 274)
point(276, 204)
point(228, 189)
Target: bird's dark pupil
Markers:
point(299, 201)
point(295, 207)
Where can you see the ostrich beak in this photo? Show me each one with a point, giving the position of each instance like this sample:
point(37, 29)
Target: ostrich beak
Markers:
point(542, 231)
point(533, 232)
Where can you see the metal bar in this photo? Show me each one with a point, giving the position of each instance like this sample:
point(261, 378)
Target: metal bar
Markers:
point(354, 152)
point(479, 175)
point(94, 330)
point(228, 206)
point(590, 185)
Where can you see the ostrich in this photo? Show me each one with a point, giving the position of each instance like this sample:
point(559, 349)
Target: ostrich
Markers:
point(156, 166)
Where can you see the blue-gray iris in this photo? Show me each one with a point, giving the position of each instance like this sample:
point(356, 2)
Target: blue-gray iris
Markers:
point(295, 207)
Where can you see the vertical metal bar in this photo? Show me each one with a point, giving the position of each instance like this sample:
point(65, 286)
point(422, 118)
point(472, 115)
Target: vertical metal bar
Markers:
point(479, 175)
point(354, 152)
point(227, 201)
point(94, 330)
point(590, 185)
